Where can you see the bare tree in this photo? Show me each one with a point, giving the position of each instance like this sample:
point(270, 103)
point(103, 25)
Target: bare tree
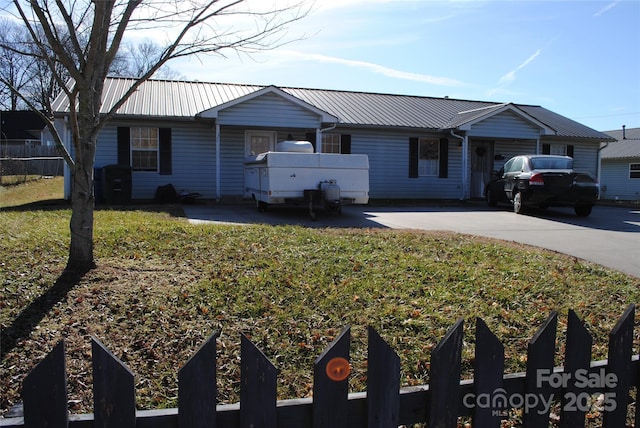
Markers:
point(134, 61)
point(90, 42)
point(15, 67)
point(26, 79)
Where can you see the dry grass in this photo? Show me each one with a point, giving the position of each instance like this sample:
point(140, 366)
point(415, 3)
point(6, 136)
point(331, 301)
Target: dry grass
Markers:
point(162, 286)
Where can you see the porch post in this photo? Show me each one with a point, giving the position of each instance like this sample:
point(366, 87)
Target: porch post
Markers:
point(538, 145)
point(318, 140)
point(465, 167)
point(217, 162)
point(69, 146)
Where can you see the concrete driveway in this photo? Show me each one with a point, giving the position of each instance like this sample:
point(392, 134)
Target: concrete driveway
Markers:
point(610, 236)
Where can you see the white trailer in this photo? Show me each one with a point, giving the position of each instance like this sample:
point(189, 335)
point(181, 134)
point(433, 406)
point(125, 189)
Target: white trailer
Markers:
point(295, 175)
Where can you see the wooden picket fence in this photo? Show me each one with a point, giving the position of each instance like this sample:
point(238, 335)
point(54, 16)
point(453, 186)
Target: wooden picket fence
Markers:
point(484, 399)
point(30, 160)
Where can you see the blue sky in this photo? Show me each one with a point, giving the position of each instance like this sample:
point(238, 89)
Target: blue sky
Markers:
point(578, 58)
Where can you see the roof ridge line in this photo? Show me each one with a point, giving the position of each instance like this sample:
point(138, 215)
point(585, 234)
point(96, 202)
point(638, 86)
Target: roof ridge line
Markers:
point(484, 108)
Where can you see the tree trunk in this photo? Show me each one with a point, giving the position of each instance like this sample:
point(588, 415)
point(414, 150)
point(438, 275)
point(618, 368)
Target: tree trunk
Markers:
point(82, 205)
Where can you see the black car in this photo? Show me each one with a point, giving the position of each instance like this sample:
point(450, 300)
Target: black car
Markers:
point(542, 181)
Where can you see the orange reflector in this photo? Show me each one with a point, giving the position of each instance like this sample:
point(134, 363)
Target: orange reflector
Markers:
point(338, 369)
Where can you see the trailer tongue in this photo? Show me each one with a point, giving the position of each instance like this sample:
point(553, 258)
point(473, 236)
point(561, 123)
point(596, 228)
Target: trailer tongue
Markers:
point(295, 175)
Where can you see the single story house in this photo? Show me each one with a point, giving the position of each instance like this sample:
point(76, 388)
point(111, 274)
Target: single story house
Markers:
point(620, 166)
point(195, 136)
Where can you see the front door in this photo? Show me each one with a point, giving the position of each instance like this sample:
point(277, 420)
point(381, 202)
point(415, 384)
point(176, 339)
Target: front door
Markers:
point(481, 164)
point(256, 142)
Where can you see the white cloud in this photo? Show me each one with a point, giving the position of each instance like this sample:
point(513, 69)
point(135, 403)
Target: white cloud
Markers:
point(511, 76)
point(374, 68)
point(340, 4)
point(606, 9)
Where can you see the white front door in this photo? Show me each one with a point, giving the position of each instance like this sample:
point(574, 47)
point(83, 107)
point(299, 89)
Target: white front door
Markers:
point(256, 142)
point(481, 164)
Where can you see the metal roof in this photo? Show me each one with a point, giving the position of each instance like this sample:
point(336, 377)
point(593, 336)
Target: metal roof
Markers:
point(184, 99)
point(627, 146)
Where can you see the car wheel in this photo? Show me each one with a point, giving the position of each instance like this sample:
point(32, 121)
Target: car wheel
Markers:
point(491, 199)
point(583, 210)
point(518, 204)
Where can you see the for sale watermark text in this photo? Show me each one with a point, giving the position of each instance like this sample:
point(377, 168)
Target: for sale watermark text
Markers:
point(541, 402)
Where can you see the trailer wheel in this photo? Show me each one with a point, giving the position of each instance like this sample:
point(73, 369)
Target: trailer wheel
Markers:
point(262, 206)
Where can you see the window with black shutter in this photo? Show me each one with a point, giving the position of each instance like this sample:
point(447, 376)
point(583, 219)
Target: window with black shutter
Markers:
point(145, 149)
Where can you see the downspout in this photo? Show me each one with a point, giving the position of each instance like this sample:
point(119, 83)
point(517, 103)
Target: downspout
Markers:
point(463, 141)
point(217, 162)
point(319, 132)
point(599, 165)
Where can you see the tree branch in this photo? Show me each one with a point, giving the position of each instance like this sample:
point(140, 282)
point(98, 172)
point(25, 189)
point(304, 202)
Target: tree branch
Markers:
point(48, 121)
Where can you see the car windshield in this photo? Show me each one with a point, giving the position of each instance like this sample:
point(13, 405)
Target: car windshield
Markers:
point(551, 163)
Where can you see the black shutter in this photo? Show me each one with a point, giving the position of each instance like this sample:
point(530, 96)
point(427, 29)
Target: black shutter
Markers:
point(164, 135)
point(546, 149)
point(443, 168)
point(570, 150)
point(345, 144)
point(124, 146)
point(413, 158)
point(311, 137)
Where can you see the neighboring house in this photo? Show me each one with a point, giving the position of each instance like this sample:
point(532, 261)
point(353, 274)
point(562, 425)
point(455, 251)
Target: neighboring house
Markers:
point(20, 128)
point(195, 136)
point(620, 166)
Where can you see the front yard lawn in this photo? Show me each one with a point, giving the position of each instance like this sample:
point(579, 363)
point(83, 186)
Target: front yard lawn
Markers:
point(162, 286)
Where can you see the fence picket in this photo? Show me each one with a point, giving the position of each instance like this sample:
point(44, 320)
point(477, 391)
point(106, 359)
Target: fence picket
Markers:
point(637, 385)
point(197, 387)
point(330, 396)
point(383, 383)
point(383, 405)
point(258, 387)
point(540, 359)
point(444, 384)
point(488, 369)
point(114, 401)
point(44, 392)
point(620, 348)
point(577, 357)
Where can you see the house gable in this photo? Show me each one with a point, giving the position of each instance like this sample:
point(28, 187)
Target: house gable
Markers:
point(501, 121)
point(271, 107)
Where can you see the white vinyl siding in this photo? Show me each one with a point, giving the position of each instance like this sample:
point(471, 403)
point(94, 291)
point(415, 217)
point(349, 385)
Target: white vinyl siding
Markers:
point(388, 167)
point(193, 159)
point(615, 181)
point(585, 155)
point(505, 125)
point(506, 149)
point(269, 111)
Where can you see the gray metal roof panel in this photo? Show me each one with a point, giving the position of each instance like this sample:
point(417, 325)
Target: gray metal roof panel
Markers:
point(628, 147)
point(184, 99)
point(563, 126)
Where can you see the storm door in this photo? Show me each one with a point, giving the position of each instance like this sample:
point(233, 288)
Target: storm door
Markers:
point(481, 165)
